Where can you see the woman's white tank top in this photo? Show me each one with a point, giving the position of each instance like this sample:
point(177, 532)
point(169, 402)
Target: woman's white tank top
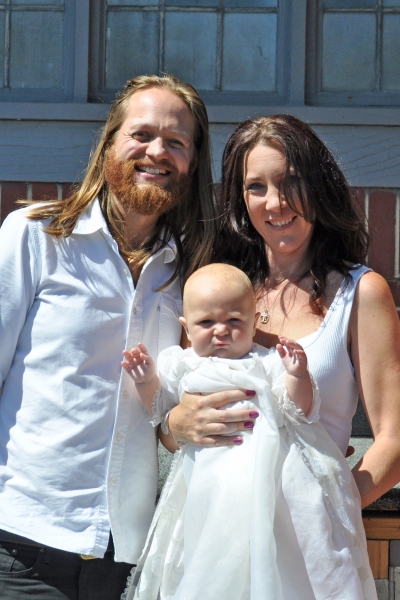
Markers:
point(330, 364)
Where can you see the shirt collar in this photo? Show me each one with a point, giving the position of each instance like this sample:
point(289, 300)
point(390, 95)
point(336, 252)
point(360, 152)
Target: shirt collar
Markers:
point(92, 220)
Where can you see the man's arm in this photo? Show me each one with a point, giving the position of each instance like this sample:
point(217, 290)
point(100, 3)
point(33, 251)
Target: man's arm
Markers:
point(20, 265)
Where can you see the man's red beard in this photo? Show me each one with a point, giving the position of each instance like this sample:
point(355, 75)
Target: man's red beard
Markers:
point(146, 198)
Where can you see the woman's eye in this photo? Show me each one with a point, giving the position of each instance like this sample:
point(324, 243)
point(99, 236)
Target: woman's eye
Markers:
point(253, 187)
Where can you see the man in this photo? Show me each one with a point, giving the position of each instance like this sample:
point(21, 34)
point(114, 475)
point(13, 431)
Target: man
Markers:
point(80, 280)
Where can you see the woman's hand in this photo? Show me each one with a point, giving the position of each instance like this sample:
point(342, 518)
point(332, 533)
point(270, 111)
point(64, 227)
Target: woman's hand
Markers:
point(375, 353)
point(201, 419)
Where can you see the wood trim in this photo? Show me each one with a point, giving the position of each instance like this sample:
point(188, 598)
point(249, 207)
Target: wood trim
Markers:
point(230, 114)
point(378, 552)
point(382, 528)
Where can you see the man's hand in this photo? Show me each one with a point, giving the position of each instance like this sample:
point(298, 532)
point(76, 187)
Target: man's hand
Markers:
point(139, 364)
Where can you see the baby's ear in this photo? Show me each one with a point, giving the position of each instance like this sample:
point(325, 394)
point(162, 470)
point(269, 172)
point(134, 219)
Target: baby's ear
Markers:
point(256, 317)
point(182, 321)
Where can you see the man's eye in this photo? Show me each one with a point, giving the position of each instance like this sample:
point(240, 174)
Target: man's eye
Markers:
point(142, 136)
point(176, 143)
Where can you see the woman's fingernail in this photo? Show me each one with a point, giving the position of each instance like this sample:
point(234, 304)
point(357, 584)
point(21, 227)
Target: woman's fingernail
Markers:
point(249, 424)
point(237, 441)
point(254, 414)
point(250, 393)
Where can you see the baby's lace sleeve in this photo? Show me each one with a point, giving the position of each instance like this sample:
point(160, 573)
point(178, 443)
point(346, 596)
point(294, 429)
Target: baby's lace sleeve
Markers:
point(166, 395)
point(289, 408)
point(163, 401)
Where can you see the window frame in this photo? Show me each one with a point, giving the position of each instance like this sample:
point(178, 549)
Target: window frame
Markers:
point(314, 95)
point(98, 92)
point(74, 21)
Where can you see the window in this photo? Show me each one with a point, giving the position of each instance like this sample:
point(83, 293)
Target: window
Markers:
point(354, 52)
point(239, 54)
point(36, 50)
point(230, 50)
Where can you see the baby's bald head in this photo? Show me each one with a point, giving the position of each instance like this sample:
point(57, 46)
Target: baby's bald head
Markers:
point(218, 279)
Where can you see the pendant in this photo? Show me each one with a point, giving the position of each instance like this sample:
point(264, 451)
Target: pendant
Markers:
point(264, 317)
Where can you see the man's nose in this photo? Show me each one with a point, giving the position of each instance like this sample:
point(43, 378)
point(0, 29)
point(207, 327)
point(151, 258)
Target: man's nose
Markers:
point(156, 148)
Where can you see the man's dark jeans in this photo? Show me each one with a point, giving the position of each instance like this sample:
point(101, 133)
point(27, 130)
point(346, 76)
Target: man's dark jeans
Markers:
point(31, 570)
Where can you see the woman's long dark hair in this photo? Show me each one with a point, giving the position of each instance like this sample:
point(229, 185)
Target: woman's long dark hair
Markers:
point(339, 239)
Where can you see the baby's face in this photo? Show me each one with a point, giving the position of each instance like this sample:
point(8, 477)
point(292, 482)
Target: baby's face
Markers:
point(220, 325)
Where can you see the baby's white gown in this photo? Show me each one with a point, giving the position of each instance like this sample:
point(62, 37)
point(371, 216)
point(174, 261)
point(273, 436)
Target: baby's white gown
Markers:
point(276, 518)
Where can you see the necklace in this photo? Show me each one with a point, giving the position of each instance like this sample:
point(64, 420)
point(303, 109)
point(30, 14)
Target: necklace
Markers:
point(265, 315)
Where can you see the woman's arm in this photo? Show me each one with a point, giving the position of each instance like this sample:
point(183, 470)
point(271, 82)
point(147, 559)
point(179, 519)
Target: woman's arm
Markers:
point(375, 352)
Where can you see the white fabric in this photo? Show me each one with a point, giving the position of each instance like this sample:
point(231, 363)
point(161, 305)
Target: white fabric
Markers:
point(77, 453)
point(278, 517)
point(329, 363)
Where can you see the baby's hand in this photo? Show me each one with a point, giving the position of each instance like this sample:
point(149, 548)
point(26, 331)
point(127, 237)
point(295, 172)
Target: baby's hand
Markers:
point(139, 364)
point(293, 356)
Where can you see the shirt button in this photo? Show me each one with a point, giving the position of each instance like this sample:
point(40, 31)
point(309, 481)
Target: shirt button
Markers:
point(124, 394)
point(113, 481)
point(118, 437)
point(134, 311)
point(126, 271)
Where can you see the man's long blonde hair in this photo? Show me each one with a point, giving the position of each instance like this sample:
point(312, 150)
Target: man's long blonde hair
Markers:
point(191, 224)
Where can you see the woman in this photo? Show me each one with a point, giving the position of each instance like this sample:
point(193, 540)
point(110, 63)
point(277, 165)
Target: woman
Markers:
point(289, 223)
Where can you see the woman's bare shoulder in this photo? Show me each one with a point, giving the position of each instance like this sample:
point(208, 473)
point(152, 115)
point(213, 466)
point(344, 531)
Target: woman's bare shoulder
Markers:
point(372, 288)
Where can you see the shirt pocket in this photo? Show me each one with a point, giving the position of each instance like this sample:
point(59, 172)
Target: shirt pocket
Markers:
point(170, 329)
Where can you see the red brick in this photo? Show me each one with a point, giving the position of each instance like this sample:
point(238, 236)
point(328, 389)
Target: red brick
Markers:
point(382, 220)
point(67, 189)
point(358, 200)
point(11, 191)
point(44, 191)
point(394, 285)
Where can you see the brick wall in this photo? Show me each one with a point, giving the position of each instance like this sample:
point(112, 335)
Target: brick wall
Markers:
point(381, 207)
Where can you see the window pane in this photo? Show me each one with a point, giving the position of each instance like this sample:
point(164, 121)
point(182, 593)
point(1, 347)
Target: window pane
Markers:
point(36, 60)
point(195, 3)
point(249, 52)
point(391, 2)
point(391, 53)
point(125, 57)
point(350, 3)
point(191, 47)
point(348, 62)
point(38, 2)
point(133, 2)
point(250, 5)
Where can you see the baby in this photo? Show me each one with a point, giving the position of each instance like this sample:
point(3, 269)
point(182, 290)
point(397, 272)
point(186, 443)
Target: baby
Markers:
point(230, 523)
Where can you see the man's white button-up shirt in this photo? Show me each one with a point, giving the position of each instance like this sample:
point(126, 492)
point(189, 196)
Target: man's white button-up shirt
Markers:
point(77, 453)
